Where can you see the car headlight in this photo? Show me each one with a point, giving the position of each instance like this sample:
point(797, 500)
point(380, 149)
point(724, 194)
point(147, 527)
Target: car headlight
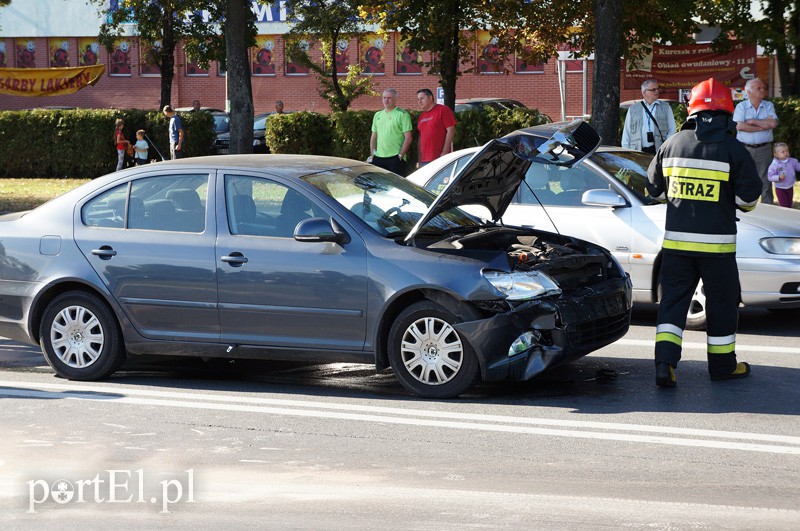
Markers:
point(520, 286)
point(257, 142)
point(781, 245)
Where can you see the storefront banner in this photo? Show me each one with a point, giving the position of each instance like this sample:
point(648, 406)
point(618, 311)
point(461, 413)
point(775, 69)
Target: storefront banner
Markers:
point(47, 81)
point(407, 60)
point(371, 50)
point(489, 54)
point(683, 66)
point(263, 63)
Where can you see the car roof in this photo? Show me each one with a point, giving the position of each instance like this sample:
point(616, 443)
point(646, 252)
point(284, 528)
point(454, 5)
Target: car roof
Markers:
point(484, 100)
point(207, 109)
point(285, 165)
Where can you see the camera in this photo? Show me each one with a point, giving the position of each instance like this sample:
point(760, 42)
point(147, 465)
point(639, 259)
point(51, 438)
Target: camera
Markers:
point(650, 138)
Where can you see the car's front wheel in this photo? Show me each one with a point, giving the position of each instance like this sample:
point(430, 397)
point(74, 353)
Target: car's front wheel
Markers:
point(428, 356)
point(80, 338)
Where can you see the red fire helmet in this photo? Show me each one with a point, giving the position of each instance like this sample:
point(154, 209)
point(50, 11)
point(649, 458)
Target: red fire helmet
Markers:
point(710, 95)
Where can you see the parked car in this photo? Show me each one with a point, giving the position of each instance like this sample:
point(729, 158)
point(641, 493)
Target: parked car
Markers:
point(222, 121)
point(481, 104)
point(604, 201)
point(223, 141)
point(309, 258)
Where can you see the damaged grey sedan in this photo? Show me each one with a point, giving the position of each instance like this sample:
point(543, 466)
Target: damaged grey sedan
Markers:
point(309, 258)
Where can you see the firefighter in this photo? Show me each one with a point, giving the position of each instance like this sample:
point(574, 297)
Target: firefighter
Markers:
point(704, 175)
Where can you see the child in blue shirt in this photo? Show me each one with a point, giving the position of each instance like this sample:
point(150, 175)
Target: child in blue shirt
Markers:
point(142, 149)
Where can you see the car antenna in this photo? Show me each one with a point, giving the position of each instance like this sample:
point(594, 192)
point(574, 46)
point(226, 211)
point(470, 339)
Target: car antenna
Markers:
point(154, 146)
point(546, 213)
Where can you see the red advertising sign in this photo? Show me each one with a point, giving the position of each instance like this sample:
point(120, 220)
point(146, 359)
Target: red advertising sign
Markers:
point(683, 66)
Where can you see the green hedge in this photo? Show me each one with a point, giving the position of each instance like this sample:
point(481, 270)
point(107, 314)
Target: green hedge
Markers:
point(79, 143)
point(788, 130)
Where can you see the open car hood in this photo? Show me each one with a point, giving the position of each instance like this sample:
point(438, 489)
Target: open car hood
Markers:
point(491, 177)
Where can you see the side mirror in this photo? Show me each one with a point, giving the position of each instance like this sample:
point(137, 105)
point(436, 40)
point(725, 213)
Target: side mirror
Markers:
point(603, 197)
point(320, 230)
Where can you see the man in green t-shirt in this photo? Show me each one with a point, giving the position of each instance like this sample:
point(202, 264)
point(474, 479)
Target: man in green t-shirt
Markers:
point(391, 135)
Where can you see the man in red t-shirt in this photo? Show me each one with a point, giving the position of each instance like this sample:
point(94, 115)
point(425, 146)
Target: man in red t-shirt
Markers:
point(436, 125)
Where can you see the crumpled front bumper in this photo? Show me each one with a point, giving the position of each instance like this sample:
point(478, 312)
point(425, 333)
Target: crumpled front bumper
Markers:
point(563, 329)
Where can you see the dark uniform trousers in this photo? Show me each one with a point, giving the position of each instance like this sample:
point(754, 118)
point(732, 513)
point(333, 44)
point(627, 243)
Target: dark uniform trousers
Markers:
point(679, 276)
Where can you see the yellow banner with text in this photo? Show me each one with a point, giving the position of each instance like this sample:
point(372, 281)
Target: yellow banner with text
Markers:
point(48, 81)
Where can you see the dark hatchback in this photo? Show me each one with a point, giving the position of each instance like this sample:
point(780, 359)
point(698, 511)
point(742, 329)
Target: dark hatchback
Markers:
point(311, 258)
point(222, 143)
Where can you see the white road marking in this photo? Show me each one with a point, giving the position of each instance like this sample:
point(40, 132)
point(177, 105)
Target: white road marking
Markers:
point(675, 436)
point(702, 346)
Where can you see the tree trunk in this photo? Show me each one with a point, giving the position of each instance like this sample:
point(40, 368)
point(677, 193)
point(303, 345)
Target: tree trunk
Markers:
point(240, 90)
point(341, 103)
point(167, 58)
point(605, 89)
point(449, 66)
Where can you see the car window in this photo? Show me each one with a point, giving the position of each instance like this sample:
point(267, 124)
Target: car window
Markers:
point(107, 209)
point(386, 202)
point(261, 207)
point(558, 185)
point(629, 168)
point(221, 123)
point(441, 178)
point(166, 203)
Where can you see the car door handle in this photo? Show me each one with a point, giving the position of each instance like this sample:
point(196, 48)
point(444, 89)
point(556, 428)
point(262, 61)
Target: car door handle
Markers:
point(105, 252)
point(234, 259)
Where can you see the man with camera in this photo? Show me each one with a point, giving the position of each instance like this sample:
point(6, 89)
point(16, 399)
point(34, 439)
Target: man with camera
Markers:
point(649, 122)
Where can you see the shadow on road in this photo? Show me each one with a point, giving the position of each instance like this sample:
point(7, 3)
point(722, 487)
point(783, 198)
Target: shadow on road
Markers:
point(593, 385)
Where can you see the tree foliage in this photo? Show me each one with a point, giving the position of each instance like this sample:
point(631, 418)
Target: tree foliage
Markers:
point(164, 21)
point(776, 28)
point(536, 29)
point(448, 29)
point(327, 23)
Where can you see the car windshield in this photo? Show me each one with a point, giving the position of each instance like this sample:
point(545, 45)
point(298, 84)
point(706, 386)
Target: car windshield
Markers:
point(386, 202)
point(629, 168)
point(221, 123)
point(260, 121)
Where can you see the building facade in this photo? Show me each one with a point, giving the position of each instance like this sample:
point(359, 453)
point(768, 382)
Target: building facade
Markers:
point(55, 33)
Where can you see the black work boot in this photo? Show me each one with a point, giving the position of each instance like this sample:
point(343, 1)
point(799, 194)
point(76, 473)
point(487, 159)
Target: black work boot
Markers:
point(665, 375)
point(741, 371)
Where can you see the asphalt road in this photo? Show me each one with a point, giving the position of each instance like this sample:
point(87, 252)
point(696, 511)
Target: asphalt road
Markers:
point(175, 443)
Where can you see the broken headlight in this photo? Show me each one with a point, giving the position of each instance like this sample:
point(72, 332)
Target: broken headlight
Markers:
point(522, 285)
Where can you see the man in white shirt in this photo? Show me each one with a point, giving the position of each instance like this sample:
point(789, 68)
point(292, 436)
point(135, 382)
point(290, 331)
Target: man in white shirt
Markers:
point(755, 119)
point(648, 122)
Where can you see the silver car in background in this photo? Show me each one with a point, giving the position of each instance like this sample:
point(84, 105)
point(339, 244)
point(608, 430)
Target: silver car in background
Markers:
point(604, 201)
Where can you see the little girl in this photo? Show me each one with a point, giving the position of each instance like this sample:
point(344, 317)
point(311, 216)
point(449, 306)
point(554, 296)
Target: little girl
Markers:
point(782, 172)
point(122, 144)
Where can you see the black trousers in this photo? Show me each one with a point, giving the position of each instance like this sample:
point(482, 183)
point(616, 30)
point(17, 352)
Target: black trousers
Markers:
point(395, 164)
point(679, 277)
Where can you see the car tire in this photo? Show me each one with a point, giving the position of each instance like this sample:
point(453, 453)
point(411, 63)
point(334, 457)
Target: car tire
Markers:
point(80, 337)
point(428, 356)
point(696, 316)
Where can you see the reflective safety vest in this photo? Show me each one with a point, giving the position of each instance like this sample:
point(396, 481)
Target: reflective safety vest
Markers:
point(703, 183)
